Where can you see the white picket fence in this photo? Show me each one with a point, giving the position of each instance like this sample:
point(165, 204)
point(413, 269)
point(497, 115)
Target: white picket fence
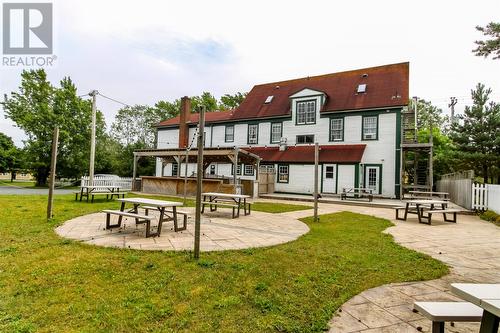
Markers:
point(486, 197)
point(124, 182)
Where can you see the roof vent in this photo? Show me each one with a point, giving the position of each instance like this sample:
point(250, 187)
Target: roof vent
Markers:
point(361, 88)
point(364, 75)
point(277, 87)
point(269, 99)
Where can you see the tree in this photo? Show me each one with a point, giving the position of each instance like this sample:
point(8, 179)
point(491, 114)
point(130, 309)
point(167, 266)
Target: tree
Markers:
point(134, 124)
point(168, 110)
point(228, 102)
point(37, 108)
point(11, 157)
point(428, 115)
point(489, 46)
point(477, 134)
point(205, 99)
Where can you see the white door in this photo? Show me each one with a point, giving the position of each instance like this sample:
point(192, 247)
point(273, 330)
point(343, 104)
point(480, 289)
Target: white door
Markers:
point(372, 178)
point(329, 178)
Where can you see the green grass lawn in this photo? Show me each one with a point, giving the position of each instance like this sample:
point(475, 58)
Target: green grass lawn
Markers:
point(49, 284)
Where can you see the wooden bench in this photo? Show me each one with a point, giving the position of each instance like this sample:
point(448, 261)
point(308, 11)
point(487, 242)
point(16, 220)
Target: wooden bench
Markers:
point(179, 212)
point(247, 206)
point(444, 212)
point(441, 312)
point(356, 193)
point(139, 219)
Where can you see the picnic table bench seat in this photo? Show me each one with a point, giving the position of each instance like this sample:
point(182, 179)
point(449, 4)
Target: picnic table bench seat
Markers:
point(441, 312)
point(180, 212)
point(213, 206)
point(139, 219)
point(444, 212)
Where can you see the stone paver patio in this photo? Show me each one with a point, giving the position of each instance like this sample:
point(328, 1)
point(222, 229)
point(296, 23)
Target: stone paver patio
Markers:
point(218, 232)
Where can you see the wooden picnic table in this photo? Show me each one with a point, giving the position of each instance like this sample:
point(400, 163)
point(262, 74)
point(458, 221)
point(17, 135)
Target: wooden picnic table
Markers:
point(214, 199)
point(91, 190)
point(417, 207)
point(161, 205)
point(486, 296)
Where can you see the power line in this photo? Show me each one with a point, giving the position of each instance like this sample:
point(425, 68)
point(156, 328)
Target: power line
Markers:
point(114, 100)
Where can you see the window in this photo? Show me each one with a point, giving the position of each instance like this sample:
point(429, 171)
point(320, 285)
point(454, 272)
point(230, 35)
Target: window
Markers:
point(370, 125)
point(175, 169)
point(267, 168)
point(229, 137)
point(329, 172)
point(337, 129)
point(212, 169)
point(305, 138)
point(238, 169)
point(269, 99)
point(248, 170)
point(276, 132)
point(306, 112)
point(253, 133)
point(283, 173)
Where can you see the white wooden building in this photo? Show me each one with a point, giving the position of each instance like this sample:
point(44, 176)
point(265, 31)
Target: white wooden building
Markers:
point(355, 116)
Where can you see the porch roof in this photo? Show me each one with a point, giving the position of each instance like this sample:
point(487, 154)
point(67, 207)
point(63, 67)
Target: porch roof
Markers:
point(305, 154)
point(210, 155)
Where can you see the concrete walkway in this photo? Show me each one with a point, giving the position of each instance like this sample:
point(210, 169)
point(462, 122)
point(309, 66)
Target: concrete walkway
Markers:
point(218, 232)
point(17, 190)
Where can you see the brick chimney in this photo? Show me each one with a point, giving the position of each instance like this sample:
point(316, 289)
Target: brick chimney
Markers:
point(184, 118)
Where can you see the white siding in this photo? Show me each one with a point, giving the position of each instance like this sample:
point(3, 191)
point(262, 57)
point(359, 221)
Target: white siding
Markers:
point(301, 179)
point(346, 176)
point(380, 152)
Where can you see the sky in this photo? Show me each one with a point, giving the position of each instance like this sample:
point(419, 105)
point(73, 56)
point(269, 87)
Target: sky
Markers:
point(140, 52)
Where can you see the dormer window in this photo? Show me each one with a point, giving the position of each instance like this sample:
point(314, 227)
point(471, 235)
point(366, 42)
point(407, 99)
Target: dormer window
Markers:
point(306, 112)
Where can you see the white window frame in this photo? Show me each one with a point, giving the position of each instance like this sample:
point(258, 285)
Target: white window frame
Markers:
point(248, 170)
point(275, 133)
point(229, 137)
point(283, 173)
point(253, 134)
point(305, 112)
point(370, 128)
point(337, 132)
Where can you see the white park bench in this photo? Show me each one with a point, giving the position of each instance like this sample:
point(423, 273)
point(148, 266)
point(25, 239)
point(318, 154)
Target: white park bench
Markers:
point(441, 312)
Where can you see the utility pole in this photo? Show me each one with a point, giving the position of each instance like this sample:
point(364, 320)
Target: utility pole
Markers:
point(316, 162)
point(453, 102)
point(199, 183)
point(52, 178)
point(93, 93)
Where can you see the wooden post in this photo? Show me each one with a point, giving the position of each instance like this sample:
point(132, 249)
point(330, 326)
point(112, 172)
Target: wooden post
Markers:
point(134, 172)
point(316, 162)
point(185, 175)
point(52, 178)
point(235, 167)
point(93, 93)
point(199, 184)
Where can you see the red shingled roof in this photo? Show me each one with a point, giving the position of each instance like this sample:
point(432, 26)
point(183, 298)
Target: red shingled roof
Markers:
point(305, 154)
point(387, 86)
point(209, 117)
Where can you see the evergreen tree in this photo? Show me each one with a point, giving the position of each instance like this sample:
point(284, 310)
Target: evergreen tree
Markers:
point(477, 134)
